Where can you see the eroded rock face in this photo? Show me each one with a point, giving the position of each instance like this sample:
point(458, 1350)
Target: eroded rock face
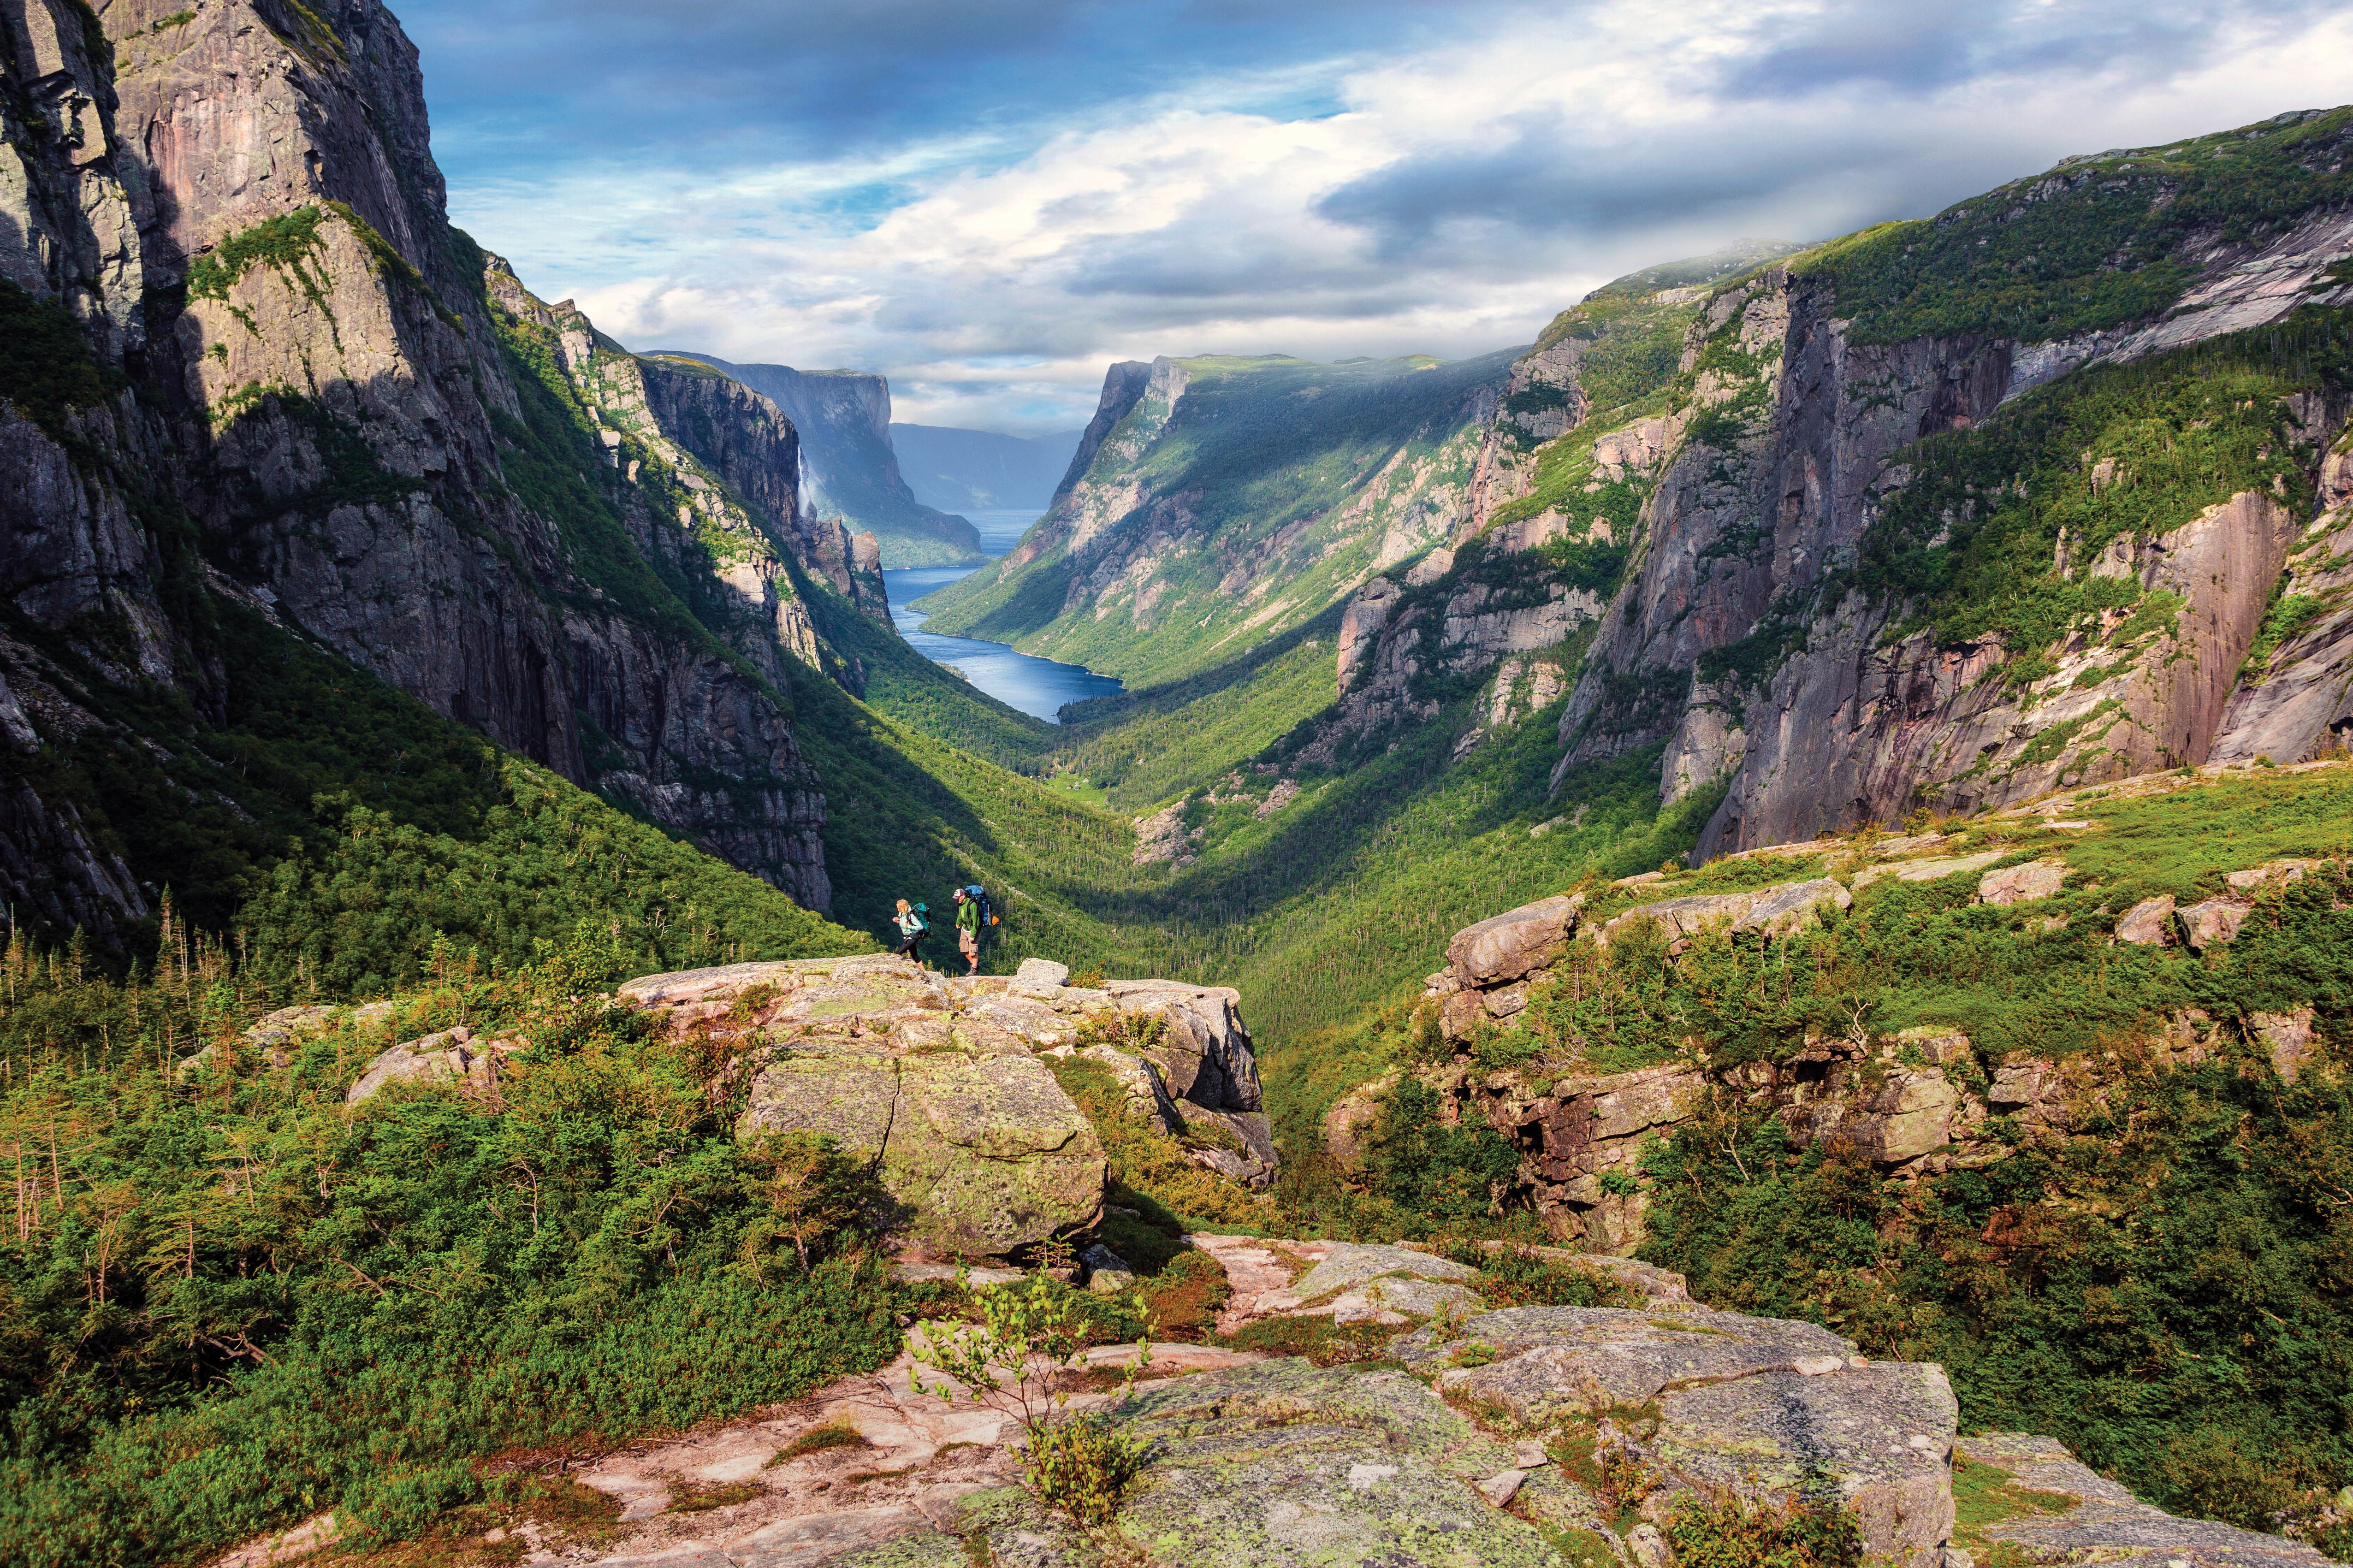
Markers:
point(330, 419)
point(941, 1085)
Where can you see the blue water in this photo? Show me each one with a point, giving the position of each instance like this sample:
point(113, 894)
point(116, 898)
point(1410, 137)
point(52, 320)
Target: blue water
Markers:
point(1034, 685)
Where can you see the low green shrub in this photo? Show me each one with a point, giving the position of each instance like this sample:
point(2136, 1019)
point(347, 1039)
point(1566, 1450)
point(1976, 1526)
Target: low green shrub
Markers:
point(1726, 1532)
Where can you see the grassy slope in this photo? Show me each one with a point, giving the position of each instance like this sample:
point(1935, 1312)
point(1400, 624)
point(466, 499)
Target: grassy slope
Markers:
point(1255, 446)
point(2089, 245)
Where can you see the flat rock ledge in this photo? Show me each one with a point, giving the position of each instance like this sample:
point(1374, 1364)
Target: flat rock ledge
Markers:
point(1478, 1439)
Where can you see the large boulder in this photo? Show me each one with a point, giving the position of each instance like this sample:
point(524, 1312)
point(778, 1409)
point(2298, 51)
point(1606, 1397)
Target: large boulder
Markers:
point(973, 1136)
point(2148, 923)
point(1204, 1053)
point(453, 1056)
point(1506, 948)
point(2214, 920)
point(2022, 884)
point(941, 1084)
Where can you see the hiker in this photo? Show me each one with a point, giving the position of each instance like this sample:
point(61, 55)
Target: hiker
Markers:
point(915, 924)
point(967, 924)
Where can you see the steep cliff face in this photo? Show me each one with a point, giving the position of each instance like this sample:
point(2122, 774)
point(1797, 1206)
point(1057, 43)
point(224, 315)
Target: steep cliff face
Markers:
point(949, 468)
point(1216, 503)
point(272, 381)
point(848, 470)
point(1944, 515)
point(745, 441)
point(1505, 601)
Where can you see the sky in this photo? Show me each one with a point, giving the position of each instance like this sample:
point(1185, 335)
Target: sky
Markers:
point(990, 201)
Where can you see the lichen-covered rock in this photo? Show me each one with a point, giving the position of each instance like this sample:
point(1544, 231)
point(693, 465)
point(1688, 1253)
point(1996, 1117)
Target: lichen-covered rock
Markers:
point(1147, 1097)
point(1286, 1463)
point(1881, 1432)
point(1204, 1053)
point(1908, 1115)
point(1556, 1361)
point(290, 1025)
point(1042, 973)
point(941, 1086)
point(1107, 1272)
point(983, 1147)
point(1927, 871)
point(2110, 1525)
point(2214, 920)
point(427, 1060)
point(2148, 923)
point(2269, 874)
point(1243, 1149)
point(2286, 1037)
point(1772, 912)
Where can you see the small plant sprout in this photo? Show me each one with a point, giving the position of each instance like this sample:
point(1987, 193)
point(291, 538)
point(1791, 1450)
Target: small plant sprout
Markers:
point(1016, 1360)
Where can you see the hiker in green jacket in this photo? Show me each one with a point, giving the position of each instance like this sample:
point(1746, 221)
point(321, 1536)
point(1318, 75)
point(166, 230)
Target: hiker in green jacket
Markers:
point(913, 924)
point(967, 924)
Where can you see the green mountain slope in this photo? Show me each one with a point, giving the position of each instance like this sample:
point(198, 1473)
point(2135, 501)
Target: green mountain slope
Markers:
point(1231, 501)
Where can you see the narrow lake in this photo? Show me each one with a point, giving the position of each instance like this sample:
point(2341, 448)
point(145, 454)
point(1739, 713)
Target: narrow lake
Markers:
point(1036, 686)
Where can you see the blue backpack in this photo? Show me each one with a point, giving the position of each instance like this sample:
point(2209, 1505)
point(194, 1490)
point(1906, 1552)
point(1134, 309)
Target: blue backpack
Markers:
point(979, 895)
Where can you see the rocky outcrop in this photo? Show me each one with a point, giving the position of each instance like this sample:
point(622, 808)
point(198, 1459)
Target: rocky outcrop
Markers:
point(452, 1056)
point(1913, 1101)
point(1488, 1437)
point(942, 1085)
point(848, 470)
point(2295, 696)
point(237, 209)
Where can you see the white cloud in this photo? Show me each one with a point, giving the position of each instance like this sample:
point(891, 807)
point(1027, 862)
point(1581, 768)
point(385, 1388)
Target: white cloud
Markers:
point(1458, 198)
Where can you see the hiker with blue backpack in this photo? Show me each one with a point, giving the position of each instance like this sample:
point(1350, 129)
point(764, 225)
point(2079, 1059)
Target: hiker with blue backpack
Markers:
point(914, 923)
point(972, 917)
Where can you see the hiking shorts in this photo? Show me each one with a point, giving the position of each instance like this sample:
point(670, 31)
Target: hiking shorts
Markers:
point(968, 942)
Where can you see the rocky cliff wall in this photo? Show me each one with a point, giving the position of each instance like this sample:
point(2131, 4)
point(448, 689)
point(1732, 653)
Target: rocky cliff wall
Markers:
point(745, 441)
point(848, 470)
point(284, 342)
point(1807, 526)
